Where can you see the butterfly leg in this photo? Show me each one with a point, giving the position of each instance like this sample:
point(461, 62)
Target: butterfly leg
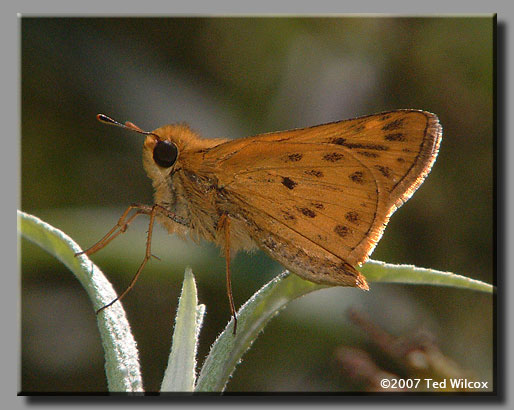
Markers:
point(153, 210)
point(224, 223)
point(120, 227)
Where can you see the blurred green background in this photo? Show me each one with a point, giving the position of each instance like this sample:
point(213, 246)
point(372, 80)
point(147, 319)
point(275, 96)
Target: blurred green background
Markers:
point(234, 77)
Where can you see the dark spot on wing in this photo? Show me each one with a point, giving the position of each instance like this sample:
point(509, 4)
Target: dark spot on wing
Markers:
point(288, 216)
point(314, 173)
point(338, 141)
point(393, 125)
point(385, 171)
point(400, 159)
point(317, 205)
point(294, 157)
point(341, 230)
point(307, 212)
point(288, 182)
point(357, 177)
point(353, 217)
point(333, 157)
point(395, 137)
point(358, 145)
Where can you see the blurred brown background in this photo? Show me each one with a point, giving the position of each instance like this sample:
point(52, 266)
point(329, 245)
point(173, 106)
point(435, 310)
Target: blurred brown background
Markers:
point(234, 77)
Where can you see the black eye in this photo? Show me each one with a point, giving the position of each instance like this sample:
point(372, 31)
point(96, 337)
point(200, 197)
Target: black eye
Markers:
point(165, 154)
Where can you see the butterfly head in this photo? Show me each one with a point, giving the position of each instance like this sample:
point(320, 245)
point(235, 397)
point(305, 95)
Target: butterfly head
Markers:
point(160, 149)
point(160, 153)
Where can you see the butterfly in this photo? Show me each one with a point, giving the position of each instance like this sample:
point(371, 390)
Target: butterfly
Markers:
point(315, 199)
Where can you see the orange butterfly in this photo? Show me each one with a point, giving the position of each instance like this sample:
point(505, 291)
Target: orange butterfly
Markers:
point(315, 199)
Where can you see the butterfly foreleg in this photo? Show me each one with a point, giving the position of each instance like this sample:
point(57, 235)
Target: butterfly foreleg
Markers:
point(120, 227)
point(152, 211)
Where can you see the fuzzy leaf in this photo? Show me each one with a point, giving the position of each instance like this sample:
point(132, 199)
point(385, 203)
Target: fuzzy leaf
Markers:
point(228, 349)
point(121, 354)
point(180, 376)
point(376, 271)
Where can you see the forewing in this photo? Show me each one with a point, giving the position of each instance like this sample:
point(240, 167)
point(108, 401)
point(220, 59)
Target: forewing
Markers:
point(335, 184)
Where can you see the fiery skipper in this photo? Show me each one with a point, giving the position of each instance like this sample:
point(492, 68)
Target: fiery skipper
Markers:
point(315, 199)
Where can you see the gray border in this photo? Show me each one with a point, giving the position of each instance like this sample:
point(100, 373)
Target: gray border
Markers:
point(11, 96)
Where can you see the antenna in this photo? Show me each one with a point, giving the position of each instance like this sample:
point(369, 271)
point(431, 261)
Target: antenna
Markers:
point(128, 125)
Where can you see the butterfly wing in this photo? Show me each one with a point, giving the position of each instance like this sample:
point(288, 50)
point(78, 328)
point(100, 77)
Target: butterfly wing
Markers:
point(318, 198)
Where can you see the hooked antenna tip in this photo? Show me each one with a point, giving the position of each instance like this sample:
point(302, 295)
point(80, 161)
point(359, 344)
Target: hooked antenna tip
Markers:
point(128, 125)
point(107, 120)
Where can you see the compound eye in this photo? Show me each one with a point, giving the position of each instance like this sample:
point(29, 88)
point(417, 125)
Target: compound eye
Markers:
point(165, 154)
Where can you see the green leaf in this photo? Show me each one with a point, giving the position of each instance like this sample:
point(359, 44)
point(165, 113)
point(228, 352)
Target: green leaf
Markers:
point(376, 271)
point(180, 376)
point(121, 355)
point(228, 349)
